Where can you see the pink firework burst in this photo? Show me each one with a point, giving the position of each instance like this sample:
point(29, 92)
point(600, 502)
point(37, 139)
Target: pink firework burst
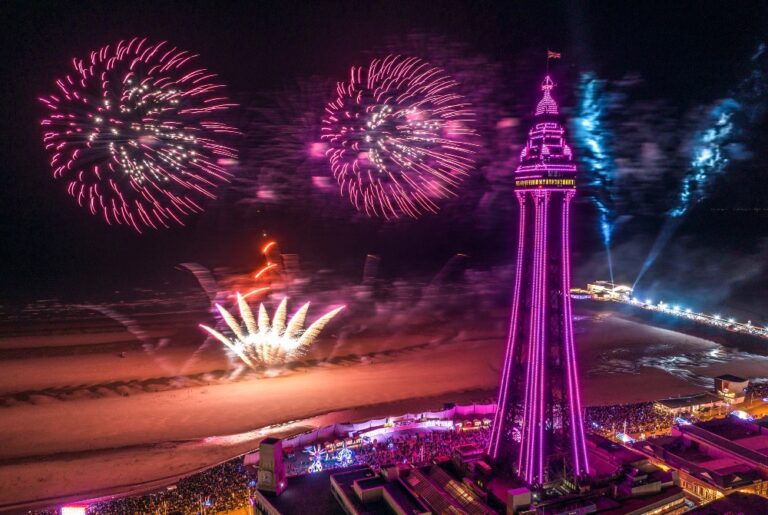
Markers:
point(399, 137)
point(133, 130)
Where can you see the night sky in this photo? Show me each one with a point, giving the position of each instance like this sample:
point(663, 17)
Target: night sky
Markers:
point(664, 65)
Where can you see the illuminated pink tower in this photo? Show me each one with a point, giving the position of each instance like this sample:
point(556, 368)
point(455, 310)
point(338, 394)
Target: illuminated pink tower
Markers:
point(538, 432)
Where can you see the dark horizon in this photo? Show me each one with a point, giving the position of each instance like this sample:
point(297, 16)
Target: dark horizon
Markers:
point(684, 58)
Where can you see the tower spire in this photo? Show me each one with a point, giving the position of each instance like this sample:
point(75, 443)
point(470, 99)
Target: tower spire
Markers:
point(547, 104)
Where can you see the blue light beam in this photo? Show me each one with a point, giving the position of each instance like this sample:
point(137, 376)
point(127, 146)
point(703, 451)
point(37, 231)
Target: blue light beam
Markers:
point(591, 135)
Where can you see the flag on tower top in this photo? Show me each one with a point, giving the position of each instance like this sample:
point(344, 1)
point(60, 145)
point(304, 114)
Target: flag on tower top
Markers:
point(553, 55)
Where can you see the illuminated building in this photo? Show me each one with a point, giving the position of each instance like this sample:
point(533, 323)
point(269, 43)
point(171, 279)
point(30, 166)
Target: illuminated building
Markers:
point(731, 388)
point(716, 458)
point(361, 490)
point(702, 405)
point(271, 477)
point(538, 431)
point(604, 290)
point(622, 480)
point(737, 502)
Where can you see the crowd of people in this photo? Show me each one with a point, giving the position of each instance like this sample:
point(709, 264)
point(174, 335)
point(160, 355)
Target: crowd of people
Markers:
point(643, 417)
point(757, 391)
point(410, 447)
point(227, 486)
point(221, 488)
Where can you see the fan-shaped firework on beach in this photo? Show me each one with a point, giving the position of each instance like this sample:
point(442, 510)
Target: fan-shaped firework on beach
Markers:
point(265, 344)
point(134, 131)
point(399, 137)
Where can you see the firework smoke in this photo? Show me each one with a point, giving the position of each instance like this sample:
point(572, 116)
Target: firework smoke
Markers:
point(713, 146)
point(284, 165)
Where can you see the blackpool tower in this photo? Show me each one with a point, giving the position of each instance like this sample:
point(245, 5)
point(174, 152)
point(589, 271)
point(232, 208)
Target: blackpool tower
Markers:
point(538, 431)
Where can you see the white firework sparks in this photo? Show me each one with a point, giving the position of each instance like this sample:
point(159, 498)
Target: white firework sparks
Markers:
point(260, 343)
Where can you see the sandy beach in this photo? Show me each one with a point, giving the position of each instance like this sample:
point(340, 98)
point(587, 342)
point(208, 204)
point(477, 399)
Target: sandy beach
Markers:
point(86, 425)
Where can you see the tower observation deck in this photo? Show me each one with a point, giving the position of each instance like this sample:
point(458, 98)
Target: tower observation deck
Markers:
point(538, 431)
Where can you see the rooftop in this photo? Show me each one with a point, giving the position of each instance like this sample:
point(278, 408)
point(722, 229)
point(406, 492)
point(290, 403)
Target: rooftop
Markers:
point(693, 400)
point(723, 473)
point(732, 378)
point(737, 502)
point(647, 503)
point(469, 451)
point(444, 493)
point(618, 453)
point(359, 487)
point(606, 505)
point(310, 493)
point(731, 428)
point(608, 457)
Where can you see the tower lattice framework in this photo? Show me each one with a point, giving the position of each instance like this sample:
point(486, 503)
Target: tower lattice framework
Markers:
point(538, 431)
